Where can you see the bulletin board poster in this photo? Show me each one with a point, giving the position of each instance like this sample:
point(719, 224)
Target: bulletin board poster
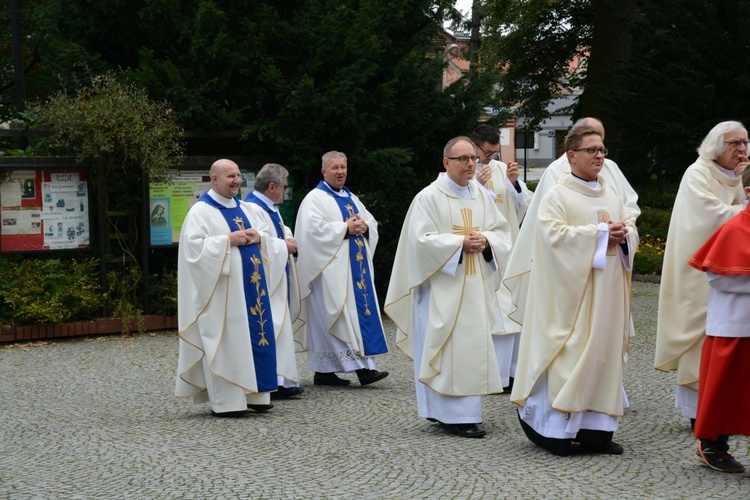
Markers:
point(44, 210)
point(169, 202)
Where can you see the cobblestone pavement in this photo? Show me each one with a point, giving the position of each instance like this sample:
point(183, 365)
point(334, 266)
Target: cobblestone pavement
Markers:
point(97, 418)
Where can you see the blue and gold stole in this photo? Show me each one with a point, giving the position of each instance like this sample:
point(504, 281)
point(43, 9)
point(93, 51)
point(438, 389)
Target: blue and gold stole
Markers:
point(278, 224)
point(373, 337)
point(257, 300)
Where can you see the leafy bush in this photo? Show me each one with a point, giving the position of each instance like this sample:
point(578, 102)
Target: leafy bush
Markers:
point(650, 255)
point(162, 292)
point(654, 222)
point(34, 290)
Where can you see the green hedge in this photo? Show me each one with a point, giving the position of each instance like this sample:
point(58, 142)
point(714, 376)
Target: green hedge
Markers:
point(39, 290)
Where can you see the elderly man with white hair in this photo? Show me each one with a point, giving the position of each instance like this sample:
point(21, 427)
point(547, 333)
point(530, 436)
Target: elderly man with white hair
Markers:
point(710, 194)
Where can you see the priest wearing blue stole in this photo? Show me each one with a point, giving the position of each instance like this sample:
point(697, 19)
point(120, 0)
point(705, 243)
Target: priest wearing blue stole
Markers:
point(227, 347)
point(270, 186)
point(337, 237)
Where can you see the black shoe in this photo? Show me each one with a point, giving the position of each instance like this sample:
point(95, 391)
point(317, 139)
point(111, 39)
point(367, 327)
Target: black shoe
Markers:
point(329, 379)
point(507, 389)
point(433, 420)
point(287, 392)
point(367, 377)
point(464, 430)
point(609, 448)
point(260, 408)
point(229, 414)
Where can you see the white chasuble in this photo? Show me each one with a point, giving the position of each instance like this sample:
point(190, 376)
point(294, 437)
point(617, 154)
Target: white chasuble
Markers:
point(457, 357)
point(516, 276)
point(577, 320)
point(281, 280)
point(215, 353)
point(332, 333)
point(706, 199)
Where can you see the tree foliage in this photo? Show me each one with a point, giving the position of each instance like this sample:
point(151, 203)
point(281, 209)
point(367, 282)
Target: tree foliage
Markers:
point(659, 73)
point(296, 78)
point(537, 44)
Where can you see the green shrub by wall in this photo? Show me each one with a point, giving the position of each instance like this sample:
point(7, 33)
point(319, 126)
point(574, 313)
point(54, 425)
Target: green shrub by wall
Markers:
point(37, 290)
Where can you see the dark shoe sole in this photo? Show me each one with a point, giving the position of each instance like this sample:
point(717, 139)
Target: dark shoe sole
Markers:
point(375, 378)
point(287, 392)
point(260, 408)
point(337, 382)
point(474, 433)
point(229, 414)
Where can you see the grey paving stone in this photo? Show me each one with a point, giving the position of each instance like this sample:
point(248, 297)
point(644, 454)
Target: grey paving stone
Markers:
point(97, 418)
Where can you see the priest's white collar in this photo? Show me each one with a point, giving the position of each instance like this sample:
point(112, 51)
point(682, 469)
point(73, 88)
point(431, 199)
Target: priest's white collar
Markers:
point(458, 190)
point(265, 199)
point(593, 184)
point(225, 202)
point(728, 172)
point(337, 192)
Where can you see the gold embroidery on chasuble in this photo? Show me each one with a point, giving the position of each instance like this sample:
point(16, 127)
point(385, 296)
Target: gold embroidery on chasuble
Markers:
point(498, 196)
point(240, 223)
point(467, 228)
point(257, 310)
point(611, 247)
point(362, 281)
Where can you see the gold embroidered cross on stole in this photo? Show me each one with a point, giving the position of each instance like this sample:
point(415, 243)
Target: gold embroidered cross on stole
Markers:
point(467, 228)
point(240, 223)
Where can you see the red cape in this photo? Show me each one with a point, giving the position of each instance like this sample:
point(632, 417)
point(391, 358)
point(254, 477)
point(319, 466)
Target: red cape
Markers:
point(727, 251)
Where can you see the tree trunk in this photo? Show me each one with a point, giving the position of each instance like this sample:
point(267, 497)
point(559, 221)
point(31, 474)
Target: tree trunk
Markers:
point(475, 40)
point(609, 55)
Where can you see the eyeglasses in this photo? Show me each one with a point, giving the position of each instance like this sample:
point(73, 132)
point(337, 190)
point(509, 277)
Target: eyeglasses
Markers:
point(593, 151)
point(736, 144)
point(282, 186)
point(464, 160)
point(488, 153)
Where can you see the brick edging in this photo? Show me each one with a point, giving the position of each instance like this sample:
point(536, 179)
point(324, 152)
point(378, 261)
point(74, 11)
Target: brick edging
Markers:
point(102, 326)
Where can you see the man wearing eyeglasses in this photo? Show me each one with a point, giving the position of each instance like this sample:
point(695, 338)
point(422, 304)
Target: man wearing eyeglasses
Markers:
point(709, 195)
point(516, 277)
point(442, 293)
point(568, 383)
point(512, 199)
point(270, 186)
point(337, 237)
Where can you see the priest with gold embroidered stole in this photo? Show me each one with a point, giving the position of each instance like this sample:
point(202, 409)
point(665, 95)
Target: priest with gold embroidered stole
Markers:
point(227, 347)
point(709, 195)
point(568, 384)
point(270, 186)
point(442, 293)
point(337, 237)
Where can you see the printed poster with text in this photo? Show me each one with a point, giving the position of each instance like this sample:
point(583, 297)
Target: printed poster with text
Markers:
point(169, 202)
point(44, 210)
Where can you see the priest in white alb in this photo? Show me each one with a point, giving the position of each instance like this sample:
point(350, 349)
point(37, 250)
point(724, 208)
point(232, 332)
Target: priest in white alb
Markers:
point(512, 199)
point(710, 194)
point(270, 186)
point(227, 346)
point(568, 384)
point(516, 276)
point(337, 237)
point(442, 293)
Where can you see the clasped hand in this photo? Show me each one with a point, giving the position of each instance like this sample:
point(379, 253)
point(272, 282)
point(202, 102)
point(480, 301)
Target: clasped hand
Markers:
point(244, 237)
point(474, 243)
point(356, 225)
point(618, 232)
